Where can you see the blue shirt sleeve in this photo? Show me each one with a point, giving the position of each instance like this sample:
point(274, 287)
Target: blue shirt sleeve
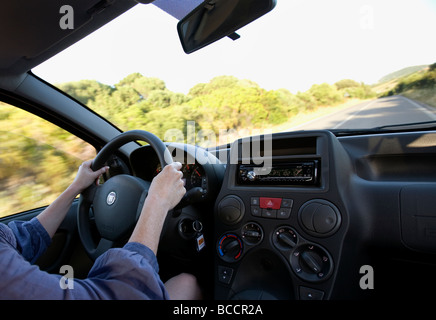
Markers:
point(130, 272)
point(31, 239)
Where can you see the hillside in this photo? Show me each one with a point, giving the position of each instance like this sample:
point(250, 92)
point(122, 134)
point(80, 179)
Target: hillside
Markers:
point(419, 85)
point(390, 81)
point(401, 73)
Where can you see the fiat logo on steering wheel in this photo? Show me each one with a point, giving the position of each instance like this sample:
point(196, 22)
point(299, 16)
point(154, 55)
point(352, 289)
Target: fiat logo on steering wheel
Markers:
point(111, 197)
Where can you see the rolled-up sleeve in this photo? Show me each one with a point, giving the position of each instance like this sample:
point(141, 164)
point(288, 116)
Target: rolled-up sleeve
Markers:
point(130, 272)
point(31, 238)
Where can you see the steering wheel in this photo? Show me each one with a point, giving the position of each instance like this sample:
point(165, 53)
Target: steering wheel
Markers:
point(118, 202)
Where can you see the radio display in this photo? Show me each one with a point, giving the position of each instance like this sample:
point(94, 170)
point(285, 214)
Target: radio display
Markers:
point(288, 173)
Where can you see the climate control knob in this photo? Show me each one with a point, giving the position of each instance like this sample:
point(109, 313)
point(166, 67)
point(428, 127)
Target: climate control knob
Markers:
point(230, 247)
point(311, 262)
point(252, 233)
point(285, 238)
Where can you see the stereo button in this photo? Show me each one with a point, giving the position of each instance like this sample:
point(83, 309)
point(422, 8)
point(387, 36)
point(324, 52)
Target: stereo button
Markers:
point(251, 175)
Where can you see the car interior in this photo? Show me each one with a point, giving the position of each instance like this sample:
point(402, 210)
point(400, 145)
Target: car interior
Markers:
point(314, 214)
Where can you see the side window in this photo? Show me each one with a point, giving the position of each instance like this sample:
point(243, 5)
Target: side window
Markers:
point(38, 160)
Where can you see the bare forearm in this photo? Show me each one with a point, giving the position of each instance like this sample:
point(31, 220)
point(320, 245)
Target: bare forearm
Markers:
point(149, 226)
point(52, 217)
point(166, 190)
point(55, 213)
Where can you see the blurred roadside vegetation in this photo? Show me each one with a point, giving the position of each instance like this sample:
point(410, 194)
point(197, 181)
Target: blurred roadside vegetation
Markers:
point(224, 103)
point(419, 85)
point(38, 160)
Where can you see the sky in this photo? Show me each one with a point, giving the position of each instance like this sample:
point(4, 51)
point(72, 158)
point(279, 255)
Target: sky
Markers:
point(298, 44)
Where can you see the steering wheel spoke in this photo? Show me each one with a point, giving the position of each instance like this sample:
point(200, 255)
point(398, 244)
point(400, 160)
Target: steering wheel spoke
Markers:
point(89, 194)
point(102, 246)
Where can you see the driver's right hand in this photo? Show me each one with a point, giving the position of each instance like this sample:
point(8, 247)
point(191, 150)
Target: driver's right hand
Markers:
point(167, 188)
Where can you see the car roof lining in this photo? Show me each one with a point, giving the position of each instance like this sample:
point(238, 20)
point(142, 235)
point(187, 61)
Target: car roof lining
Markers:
point(29, 42)
point(30, 31)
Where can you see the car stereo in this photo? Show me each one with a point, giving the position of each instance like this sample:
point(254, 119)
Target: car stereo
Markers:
point(280, 173)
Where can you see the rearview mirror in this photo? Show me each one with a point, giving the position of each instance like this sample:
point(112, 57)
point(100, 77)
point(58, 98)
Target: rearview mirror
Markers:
point(215, 19)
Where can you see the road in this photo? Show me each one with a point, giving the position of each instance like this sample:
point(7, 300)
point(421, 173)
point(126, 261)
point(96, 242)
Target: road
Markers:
point(375, 113)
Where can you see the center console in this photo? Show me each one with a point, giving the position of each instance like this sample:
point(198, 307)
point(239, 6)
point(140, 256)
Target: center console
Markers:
point(280, 222)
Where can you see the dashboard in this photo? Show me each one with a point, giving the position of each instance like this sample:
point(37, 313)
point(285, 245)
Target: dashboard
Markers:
point(311, 223)
point(305, 215)
point(289, 223)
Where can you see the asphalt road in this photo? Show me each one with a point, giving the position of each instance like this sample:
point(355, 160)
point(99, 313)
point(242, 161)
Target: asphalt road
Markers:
point(375, 113)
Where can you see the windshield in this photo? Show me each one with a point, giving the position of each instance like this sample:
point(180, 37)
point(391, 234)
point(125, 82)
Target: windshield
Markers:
point(305, 65)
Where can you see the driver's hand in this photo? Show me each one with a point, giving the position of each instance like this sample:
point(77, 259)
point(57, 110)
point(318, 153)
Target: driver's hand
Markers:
point(168, 187)
point(86, 176)
point(165, 192)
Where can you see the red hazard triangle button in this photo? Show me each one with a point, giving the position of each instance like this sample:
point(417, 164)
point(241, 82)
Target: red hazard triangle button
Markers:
point(270, 203)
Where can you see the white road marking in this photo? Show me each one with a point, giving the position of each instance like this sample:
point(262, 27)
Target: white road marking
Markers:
point(421, 108)
point(354, 114)
point(322, 117)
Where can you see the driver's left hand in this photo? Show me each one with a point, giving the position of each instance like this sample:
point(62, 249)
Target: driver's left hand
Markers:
point(86, 176)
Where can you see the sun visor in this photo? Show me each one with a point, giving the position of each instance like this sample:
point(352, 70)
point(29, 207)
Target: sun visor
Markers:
point(178, 9)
